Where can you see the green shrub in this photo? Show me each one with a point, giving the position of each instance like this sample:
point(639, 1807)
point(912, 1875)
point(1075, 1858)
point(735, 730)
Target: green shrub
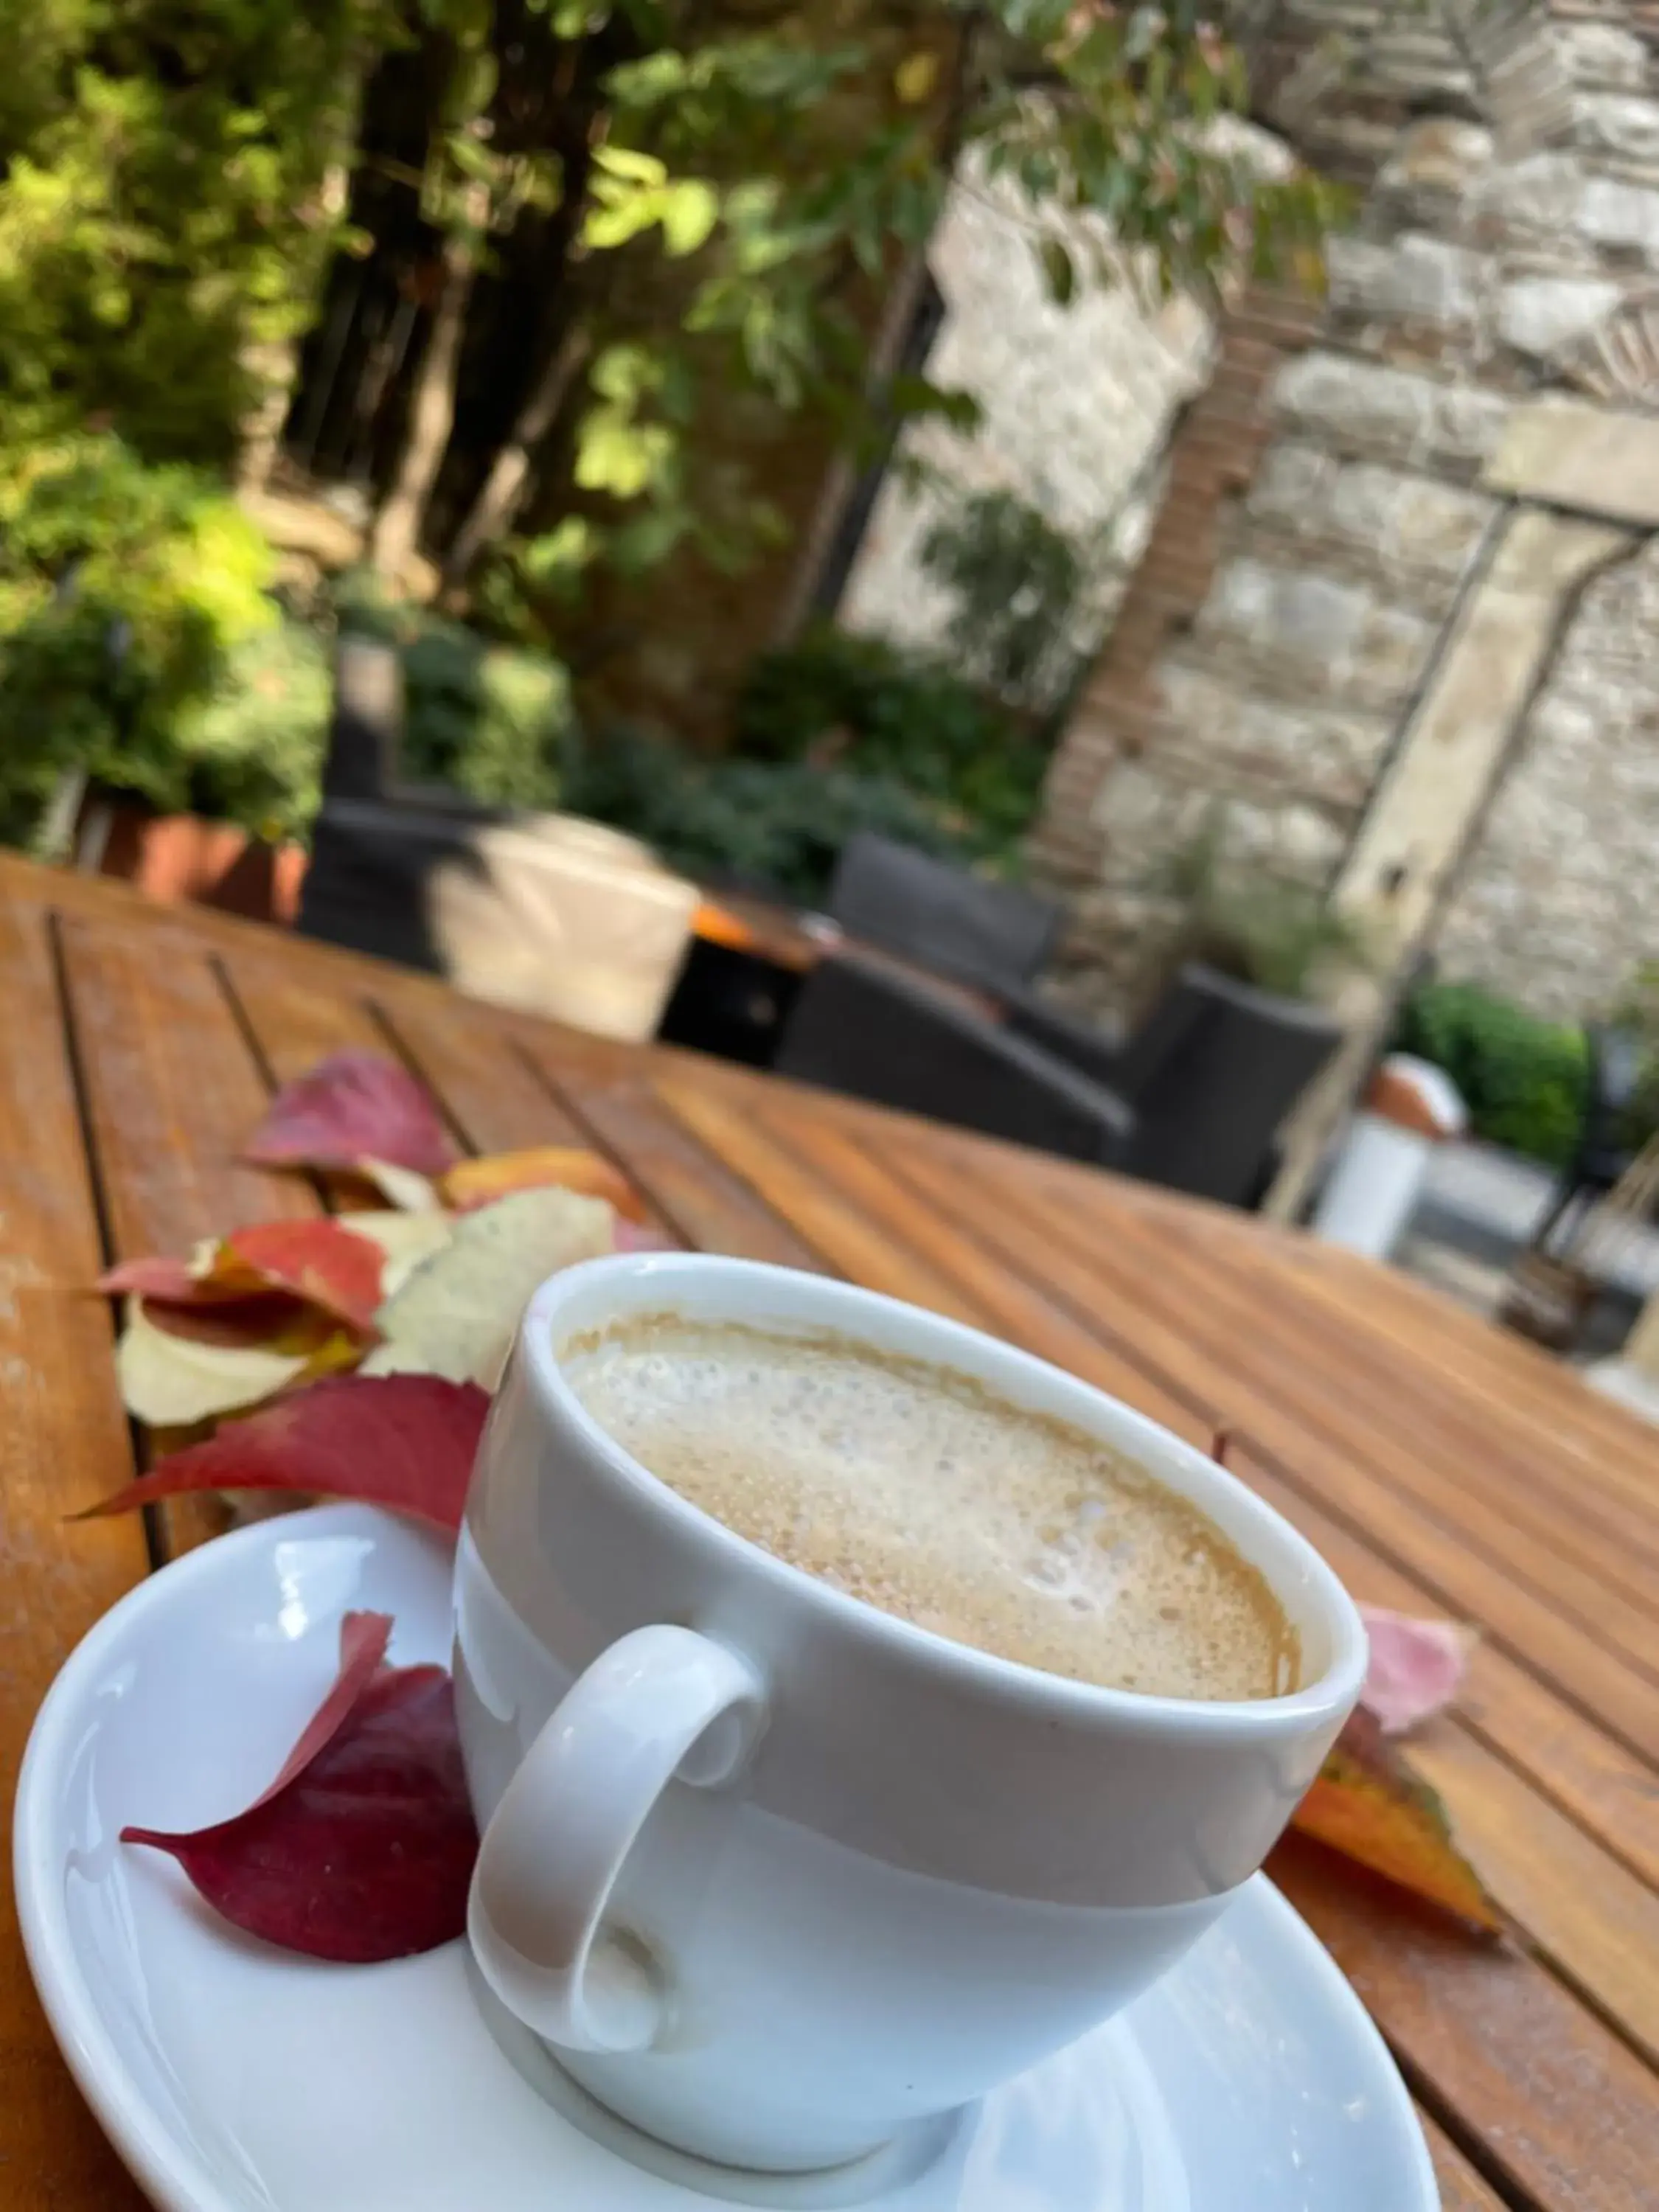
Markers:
point(868, 707)
point(1523, 1079)
point(776, 824)
point(1017, 583)
point(491, 721)
point(133, 614)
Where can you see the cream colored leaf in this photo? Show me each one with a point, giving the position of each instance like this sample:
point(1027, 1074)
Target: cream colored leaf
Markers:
point(457, 1313)
point(405, 1241)
point(404, 1188)
point(173, 1381)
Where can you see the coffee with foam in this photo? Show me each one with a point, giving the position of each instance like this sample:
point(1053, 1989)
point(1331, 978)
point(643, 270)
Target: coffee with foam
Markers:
point(914, 1488)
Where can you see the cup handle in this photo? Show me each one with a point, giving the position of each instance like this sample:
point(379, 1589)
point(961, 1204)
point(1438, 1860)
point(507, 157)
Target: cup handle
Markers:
point(659, 1703)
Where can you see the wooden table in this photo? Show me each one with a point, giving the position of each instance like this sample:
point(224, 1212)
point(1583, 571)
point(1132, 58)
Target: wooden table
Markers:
point(1441, 1467)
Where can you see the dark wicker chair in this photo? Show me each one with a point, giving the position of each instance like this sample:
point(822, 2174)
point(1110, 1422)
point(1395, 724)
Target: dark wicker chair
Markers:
point(939, 917)
point(1193, 1101)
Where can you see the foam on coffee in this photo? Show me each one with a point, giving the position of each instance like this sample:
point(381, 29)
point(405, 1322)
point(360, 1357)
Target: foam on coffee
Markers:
point(914, 1488)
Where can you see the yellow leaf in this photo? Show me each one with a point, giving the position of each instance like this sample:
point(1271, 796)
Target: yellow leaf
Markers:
point(173, 1381)
point(402, 1187)
point(1368, 1805)
point(457, 1313)
point(405, 1239)
point(915, 77)
point(472, 1183)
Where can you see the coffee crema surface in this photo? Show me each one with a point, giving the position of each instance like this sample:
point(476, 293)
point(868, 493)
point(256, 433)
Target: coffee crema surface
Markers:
point(917, 1489)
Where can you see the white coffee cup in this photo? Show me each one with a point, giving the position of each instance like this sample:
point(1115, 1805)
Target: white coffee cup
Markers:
point(775, 1874)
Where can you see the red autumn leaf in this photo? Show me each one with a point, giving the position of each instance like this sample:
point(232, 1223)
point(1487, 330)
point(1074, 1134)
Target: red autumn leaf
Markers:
point(353, 1106)
point(319, 1260)
point(362, 1849)
point(261, 1318)
point(403, 1441)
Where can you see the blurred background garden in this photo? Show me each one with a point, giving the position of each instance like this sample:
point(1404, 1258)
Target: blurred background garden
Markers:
point(554, 342)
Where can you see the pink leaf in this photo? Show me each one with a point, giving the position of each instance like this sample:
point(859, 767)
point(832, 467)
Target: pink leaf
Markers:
point(403, 1441)
point(175, 1280)
point(1416, 1667)
point(361, 1850)
point(631, 1237)
point(353, 1106)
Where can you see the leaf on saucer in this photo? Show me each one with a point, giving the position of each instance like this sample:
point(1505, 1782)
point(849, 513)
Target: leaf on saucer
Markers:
point(403, 1441)
point(456, 1315)
point(362, 1849)
point(173, 1381)
point(472, 1183)
point(353, 1108)
point(1416, 1667)
point(1368, 1805)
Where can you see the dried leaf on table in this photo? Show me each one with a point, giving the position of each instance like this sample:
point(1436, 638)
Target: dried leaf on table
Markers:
point(173, 1381)
point(362, 1849)
point(403, 1441)
point(472, 1183)
point(457, 1313)
point(353, 1108)
point(1368, 1805)
point(404, 1241)
point(630, 1236)
point(1416, 1667)
point(180, 1282)
point(404, 1188)
point(327, 1264)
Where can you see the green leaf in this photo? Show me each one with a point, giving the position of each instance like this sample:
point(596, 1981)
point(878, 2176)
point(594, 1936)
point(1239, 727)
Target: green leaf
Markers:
point(626, 161)
point(915, 77)
point(689, 213)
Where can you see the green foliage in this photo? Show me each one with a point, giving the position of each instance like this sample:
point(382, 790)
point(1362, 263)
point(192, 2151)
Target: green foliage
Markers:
point(1017, 583)
point(485, 719)
point(159, 210)
point(1523, 1079)
point(777, 825)
point(870, 707)
point(132, 608)
point(778, 163)
point(1638, 1009)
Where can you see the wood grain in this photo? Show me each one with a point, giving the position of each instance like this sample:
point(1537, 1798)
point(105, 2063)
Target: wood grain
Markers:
point(173, 1093)
point(63, 1440)
point(1461, 2189)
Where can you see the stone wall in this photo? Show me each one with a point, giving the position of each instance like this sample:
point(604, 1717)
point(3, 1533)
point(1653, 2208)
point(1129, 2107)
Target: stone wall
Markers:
point(1509, 245)
point(1076, 404)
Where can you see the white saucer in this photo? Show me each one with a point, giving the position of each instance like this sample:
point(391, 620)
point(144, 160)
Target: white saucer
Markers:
point(233, 2078)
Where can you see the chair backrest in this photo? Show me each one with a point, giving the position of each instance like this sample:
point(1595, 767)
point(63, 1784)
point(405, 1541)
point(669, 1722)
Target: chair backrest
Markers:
point(1223, 1064)
point(889, 1037)
point(939, 916)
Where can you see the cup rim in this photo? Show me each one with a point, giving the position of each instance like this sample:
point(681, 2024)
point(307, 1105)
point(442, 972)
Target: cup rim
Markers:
point(1331, 1693)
